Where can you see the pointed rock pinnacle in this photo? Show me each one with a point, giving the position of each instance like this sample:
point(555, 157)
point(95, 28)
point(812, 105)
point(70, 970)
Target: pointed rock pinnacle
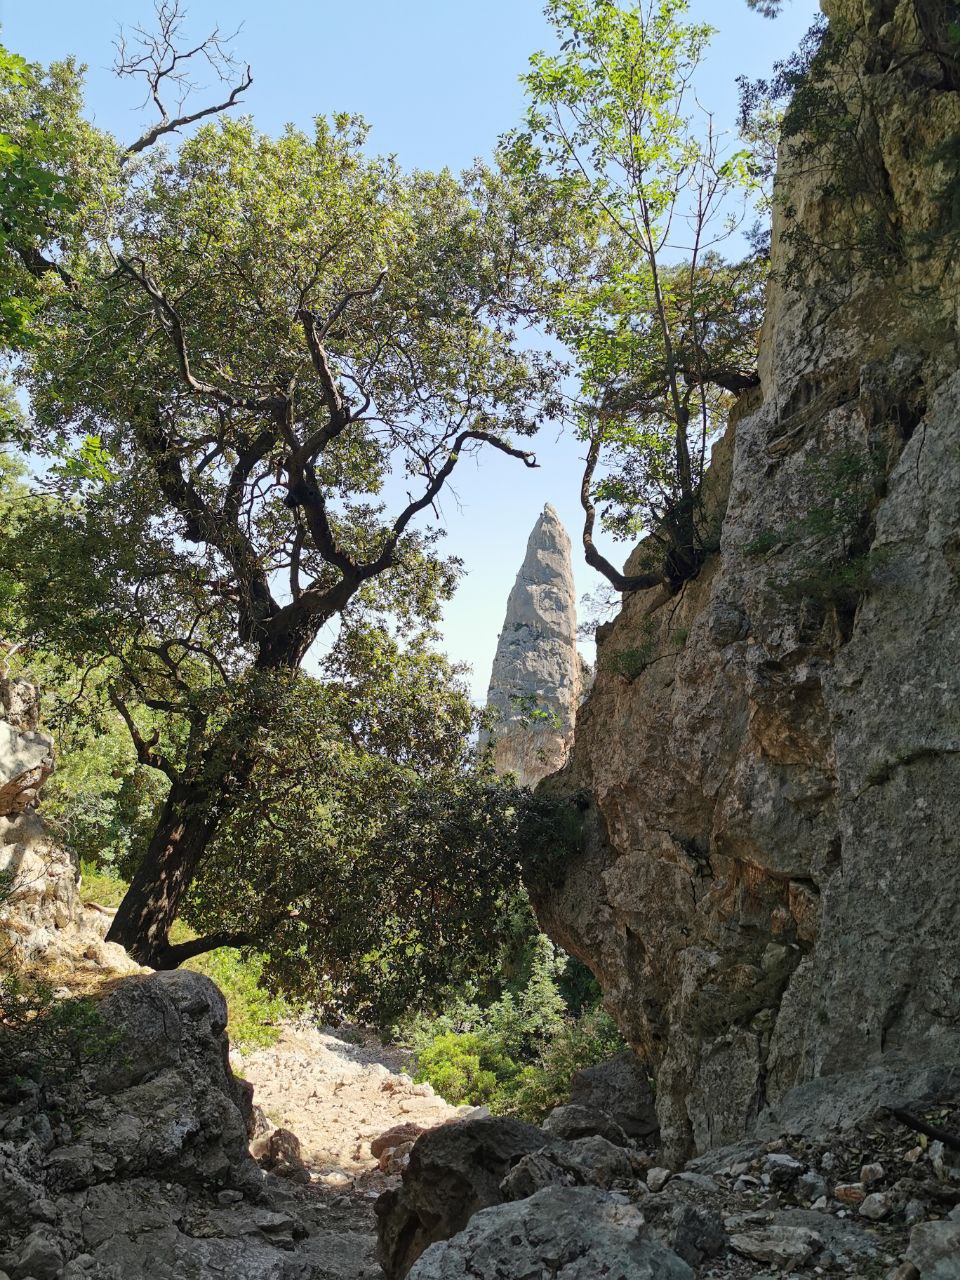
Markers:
point(537, 679)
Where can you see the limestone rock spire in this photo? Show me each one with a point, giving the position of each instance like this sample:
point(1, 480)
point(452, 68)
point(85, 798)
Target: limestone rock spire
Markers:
point(536, 683)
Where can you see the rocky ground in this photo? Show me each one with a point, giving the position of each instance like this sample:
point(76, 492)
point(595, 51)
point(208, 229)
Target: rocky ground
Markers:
point(338, 1091)
point(878, 1201)
point(134, 1163)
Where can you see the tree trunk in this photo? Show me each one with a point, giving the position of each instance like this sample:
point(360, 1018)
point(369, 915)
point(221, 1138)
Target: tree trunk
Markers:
point(144, 918)
point(193, 812)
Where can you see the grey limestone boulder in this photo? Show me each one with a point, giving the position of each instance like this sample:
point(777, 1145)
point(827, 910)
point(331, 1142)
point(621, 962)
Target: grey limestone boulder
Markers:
point(620, 1088)
point(571, 1122)
point(560, 1233)
point(453, 1172)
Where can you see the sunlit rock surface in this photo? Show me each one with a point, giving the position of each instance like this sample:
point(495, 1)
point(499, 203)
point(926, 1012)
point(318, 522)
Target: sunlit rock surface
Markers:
point(537, 679)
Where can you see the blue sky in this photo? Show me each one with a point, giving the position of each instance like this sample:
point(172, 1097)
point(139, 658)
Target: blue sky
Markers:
point(437, 80)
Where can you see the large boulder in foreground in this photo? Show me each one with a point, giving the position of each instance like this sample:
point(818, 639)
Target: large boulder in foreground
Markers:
point(453, 1172)
point(566, 1233)
point(110, 1150)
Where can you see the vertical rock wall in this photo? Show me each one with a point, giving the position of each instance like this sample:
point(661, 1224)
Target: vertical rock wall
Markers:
point(767, 882)
point(536, 683)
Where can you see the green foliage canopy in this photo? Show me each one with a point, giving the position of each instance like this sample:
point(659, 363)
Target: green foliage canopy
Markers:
point(664, 329)
point(254, 365)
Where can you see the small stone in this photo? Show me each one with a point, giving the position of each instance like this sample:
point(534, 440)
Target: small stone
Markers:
point(746, 1183)
point(658, 1178)
point(811, 1186)
point(229, 1197)
point(783, 1170)
point(41, 1257)
point(877, 1206)
point(820, 1204)
point(913, 1155)
point(849, 1193)
point(699, 1180)
point(782, 1246)
point(935, 1156)
point(905, 1271)
point(44, 1211)
point(268, 1221)
point(914, 1211)
point(695, 1233)
point(871, 1174)
point(390, 1138)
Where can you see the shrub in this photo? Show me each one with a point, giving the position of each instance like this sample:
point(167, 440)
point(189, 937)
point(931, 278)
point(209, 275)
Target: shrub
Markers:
point(578, 1043)
point(466, 1068)
point(47, 1037)
point(519, 1054)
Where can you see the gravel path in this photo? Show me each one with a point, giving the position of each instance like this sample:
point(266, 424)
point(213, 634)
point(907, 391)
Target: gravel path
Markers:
point(338, 1091)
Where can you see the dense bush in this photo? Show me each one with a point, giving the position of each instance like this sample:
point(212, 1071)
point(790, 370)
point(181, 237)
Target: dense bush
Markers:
point(467, 1067)
point(577, 1043)
point(517, 1055)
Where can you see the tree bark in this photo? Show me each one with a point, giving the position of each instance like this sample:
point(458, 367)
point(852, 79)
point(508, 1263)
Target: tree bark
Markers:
point(191, 816)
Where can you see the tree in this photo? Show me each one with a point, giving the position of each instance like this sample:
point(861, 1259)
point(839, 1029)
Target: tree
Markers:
point(33, 187)
point(370, 814)
point(664, 329)
point(769, 8)
point(267, 356)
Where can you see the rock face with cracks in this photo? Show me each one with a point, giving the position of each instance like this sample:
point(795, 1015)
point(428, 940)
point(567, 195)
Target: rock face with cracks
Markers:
point(570, 1233)
point(765, 876)
point(537, 679)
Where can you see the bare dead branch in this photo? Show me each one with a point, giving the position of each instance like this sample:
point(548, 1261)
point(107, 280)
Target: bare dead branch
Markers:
point(166, 64)
point(947, 1136)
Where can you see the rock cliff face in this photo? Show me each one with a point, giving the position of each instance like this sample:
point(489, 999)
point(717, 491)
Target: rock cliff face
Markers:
point(766, 882)
point(42, 919)
point(537, 679)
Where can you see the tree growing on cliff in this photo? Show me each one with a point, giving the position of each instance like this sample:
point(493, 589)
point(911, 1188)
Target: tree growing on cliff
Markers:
point(259, 361)
point(664, 329)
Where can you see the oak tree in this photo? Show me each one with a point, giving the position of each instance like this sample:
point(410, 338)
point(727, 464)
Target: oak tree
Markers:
point(259, 361)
